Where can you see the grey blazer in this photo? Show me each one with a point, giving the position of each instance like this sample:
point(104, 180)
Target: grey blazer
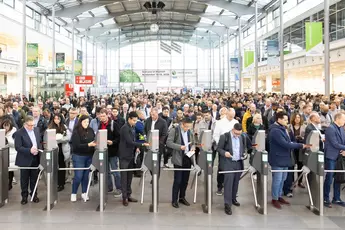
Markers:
point(224, 162)
point(177, 153)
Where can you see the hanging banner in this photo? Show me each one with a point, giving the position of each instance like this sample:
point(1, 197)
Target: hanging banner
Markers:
point(32, 54)
point(234, 65)
point(103, 80)
point(272, 53)
point(60, 61)
point(248, 59)
point(313, 35)
point(78, 64)
point(84, 80)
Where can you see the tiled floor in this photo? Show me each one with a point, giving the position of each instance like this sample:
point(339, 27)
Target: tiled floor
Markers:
point(80, 215)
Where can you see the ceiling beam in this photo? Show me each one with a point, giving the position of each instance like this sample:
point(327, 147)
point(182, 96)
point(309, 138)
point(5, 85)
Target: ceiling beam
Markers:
point(89, 22)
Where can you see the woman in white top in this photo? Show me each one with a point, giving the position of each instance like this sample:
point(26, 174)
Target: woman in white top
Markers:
point(9, 131)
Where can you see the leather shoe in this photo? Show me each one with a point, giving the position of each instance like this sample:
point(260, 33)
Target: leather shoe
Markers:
point(184, 201)
point(61, 188)
point(228, 210)
point(35, 200)
point(276, 204)
point(132, 200)
point(282, 201)
point(24, 201)
point(175, 204)
point(236, 203)
point(125, 202)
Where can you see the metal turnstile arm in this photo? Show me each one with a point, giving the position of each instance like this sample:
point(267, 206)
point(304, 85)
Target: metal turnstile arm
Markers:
point(234, 171)
point(292, 170)
point(335, 171)
point(74, 169)
point(36, 185)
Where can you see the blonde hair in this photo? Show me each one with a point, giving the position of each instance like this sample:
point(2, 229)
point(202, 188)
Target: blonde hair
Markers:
point(257, 116)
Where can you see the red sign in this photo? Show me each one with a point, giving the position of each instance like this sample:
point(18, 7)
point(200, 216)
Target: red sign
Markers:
point(81, 89)
point(84, 80)
point(69, 89)
point(276, 83)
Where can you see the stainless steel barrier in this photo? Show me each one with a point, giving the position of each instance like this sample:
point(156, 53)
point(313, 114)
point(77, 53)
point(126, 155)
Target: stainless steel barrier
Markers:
point(4, 163)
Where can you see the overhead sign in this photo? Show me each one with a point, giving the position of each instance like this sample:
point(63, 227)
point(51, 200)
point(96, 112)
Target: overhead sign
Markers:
point(60, 61)
point(32, 54)
point(272, 53)
point(248, 59)
point(84, 80)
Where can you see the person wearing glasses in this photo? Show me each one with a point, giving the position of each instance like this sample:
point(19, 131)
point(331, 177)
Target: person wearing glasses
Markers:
point(27, 143)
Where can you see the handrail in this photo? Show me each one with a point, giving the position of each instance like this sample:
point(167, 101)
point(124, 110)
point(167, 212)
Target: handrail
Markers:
point(288, 170)
point(234, 171)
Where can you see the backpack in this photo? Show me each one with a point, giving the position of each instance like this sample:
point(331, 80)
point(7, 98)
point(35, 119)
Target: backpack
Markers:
point(169, 150)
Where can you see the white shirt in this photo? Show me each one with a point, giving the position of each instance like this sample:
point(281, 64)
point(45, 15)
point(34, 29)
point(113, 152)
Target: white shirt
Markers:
point(185, 140)
point(153, 125)
point(223, 126)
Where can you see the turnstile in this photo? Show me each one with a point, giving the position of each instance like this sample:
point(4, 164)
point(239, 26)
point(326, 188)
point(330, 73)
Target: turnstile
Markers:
point(314, 161)
point(205, 162)
point(4, 163)
point(100, 162)
point(49, 161)
point(259, 164)
point(152, 163)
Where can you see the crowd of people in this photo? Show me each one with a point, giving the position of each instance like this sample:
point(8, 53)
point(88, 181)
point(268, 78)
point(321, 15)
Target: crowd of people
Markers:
point(180, 118)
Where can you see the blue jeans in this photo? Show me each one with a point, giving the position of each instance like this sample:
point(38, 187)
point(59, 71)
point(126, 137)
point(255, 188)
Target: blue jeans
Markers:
point(113, 164)
point(81, 176)
point(278, 179)
point(330, 165)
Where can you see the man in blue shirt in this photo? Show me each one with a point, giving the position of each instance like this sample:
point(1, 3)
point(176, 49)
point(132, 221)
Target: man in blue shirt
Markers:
point(231, 149)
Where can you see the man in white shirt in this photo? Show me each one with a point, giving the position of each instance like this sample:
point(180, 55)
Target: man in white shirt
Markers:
point(224, 125)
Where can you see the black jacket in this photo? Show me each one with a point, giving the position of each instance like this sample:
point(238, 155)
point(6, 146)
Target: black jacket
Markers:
point(168, 120)
point(114, 136)
point(23, 145)
point(42, 125)
point(127, 143)
point(308, 130)
point(80, 142)
point(161, 125)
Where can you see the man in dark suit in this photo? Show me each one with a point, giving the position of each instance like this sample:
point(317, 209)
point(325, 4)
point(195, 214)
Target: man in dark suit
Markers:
point(127, 149)
point(39, 120)
point(334, 146)
point(27, 143)
point(156, 122)
point(215, 112)
point(314, 125)
point(231, 149)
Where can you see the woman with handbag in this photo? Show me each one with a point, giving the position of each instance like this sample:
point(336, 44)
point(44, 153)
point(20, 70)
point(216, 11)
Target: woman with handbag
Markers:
point(62, 141)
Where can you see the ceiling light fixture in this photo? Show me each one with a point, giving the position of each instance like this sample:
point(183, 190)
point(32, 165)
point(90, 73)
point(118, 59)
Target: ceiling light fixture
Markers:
point(154, 28)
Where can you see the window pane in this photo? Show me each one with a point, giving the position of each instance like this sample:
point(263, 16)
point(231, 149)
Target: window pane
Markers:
point(9, 3)
point(341, 5)
point(333, 22)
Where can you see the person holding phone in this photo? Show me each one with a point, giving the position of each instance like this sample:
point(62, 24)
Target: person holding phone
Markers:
point(83, 142)
point(280, 156)
point(27, 142)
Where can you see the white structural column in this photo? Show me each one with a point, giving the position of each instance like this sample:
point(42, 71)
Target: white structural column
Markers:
point(73, 53)
point(96, 60)
point(228, 57)
point(326, 39)
point(220, 65)
point(86, 58)
point(106, 59)
point(240, 55)
point(281, 47)
point(53, 40)
point(24, 93)
point(256, 53)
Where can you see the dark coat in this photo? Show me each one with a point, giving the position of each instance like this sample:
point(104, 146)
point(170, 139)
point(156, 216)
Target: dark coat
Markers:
point(23, 145)
point(114, 136)
point(308, 130)
point(280, 146)
point(127, 144)
point(335, 141)
point(223, 147)
point(80, 142)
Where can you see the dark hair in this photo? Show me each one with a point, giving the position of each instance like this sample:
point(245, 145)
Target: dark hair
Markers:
point(132, 115)
point(59, 128)
point(81, 131)
point(293, 118)
point(98, 109)
point(165, 108)
point(280, 115)
point(7, 121)
point(187, 120)
point(104, 111)
point(238, 126)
